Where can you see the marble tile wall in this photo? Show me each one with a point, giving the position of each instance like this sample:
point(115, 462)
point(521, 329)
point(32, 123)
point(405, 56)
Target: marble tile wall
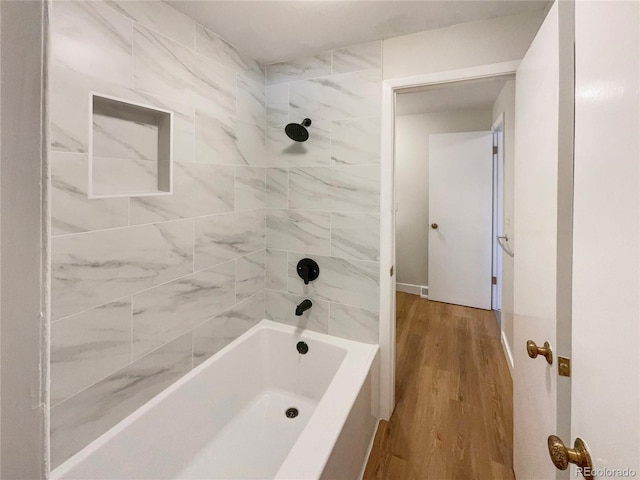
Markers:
point(145, 288)
point(323, 196)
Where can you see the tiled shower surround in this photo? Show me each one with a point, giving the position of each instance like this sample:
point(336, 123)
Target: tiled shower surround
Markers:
point(323, 196)
point(146, 288)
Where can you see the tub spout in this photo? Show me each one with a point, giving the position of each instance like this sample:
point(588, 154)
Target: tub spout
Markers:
point(304, 306)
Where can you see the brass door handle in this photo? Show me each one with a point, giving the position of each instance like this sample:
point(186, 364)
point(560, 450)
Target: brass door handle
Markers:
point(534, 350)
point(561, 456)
point(434, 226)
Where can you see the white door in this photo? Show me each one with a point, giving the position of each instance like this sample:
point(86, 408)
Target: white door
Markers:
point(606, 289)
point(536, 288)
point(460, 204)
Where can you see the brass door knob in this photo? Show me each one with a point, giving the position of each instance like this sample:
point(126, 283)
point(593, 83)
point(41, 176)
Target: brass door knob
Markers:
point(434, 226)
point(561, 456)
point(545, 351)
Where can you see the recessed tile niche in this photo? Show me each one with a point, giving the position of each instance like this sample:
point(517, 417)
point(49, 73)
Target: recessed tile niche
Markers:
point(129, 149)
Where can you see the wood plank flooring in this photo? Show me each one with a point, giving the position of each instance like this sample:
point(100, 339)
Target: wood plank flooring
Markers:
point(453, 416)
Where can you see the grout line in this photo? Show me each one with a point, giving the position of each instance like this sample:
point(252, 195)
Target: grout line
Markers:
point(134, 360)
point(193, 249)
point(320, 299)
point(331, 234)
point(193, 347)
point(132, 337)
point(137, 292)
point(162, 222)
point(235, 281)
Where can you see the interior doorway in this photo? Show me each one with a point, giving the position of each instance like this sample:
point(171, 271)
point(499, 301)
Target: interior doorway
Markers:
point(458, 112)
point(449, 178)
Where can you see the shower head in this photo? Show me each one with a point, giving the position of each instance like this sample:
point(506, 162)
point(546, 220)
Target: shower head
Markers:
point(298, 131)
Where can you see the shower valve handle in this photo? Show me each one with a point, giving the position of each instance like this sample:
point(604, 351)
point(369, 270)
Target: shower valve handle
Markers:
point(308, 270)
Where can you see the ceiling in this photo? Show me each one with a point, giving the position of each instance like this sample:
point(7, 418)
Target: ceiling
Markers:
point(475, 94)
point(276, 30)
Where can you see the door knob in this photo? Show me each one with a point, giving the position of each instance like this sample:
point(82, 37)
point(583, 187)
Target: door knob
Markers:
point(534, 350)
point(434, 226)
point(561, 456)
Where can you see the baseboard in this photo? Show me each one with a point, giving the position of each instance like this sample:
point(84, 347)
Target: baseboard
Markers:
point(420, 290)
point(507, 353)
point(366, 458)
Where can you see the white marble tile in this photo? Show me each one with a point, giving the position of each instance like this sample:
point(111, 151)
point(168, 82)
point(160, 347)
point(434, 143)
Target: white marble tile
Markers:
point(337, 97)
point(81, 419)
point(365, 56)
point(69, 129)
point(350, 282)
point(347, 189)
point(91, 269)
point(356, 142)
point(315, 152)
point(353, 323)
point(250, 141)
point(88, 347)
point(71, 209)
point(318, 65)
point(224, 237)
point(281, 307)
point(161, 66)
point(250, 275)
point(218, 332)
point(250, 188)
point(299, 231)
point(250, 101)
point(277, 270)
point(355, 235)
point(124, 133)
point(213, 46)
point(214, 86)
point(92, 39)
point(116, 176)
point(198, 189)
point(170, 310)
point(227, 141)
point(277, 188)
point(159, 16)
point(277, 100)
point(216, 139)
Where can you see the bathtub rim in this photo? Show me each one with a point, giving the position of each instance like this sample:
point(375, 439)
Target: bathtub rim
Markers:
point(72, 462)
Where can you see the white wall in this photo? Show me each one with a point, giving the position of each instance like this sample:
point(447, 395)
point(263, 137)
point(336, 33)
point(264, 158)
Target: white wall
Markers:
point(460, 46)
point(23, 247)
point(412, 180)
point(505, 104)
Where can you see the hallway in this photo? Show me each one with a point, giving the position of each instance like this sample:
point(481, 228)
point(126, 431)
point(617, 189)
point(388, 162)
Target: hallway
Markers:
point(453, 416)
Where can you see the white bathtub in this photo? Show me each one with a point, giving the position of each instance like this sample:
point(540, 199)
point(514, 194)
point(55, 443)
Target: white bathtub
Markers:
point(226, 419)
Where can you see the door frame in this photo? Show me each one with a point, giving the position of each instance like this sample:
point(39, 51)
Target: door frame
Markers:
point(387, 324)
point(498, 213)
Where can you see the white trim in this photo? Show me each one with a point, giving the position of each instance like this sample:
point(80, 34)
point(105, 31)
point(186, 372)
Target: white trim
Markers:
point(497, 213)
point(412, 289)
point(472, 73)
point(387, 210)
point(408, 288)
point(498, 123)
point(507, 352)
point(366, 458)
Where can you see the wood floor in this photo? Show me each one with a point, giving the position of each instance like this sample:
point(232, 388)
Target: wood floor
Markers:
point(453, 416)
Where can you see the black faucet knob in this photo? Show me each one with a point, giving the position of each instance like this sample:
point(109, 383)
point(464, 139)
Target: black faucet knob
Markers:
point(308, 270)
